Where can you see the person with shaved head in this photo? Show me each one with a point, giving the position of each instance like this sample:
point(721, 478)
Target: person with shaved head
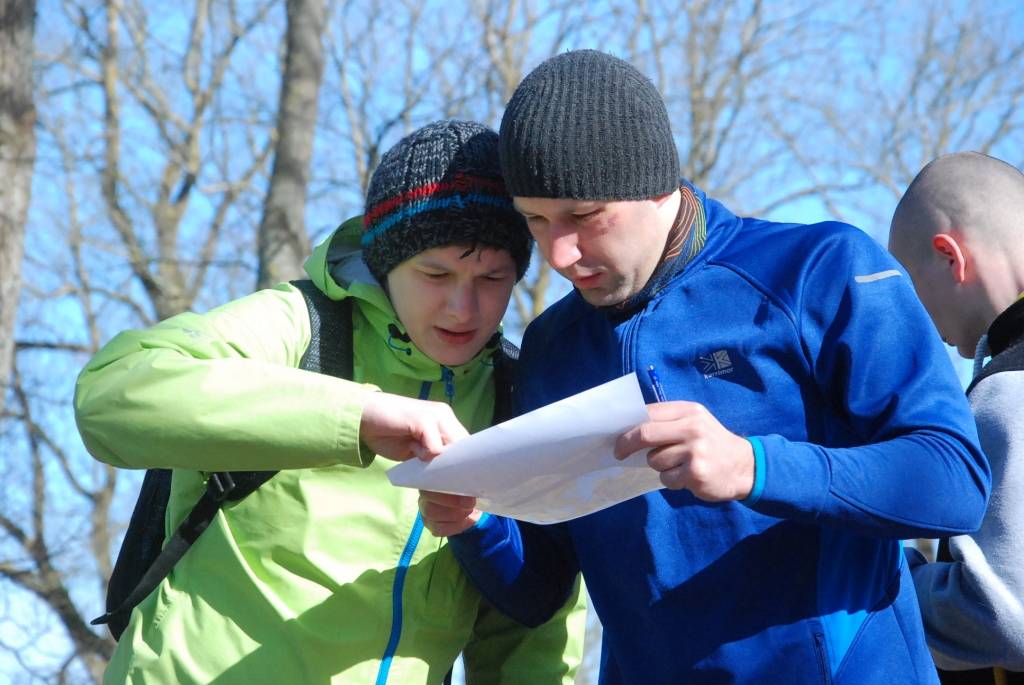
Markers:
point(959, 232)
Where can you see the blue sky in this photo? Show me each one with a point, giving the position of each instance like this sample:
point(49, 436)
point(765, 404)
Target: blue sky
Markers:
point(71, 108)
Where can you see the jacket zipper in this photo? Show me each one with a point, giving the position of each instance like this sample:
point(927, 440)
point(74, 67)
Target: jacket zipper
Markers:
point(819, 647)
point(447, 376)
point(396, 599)
point(629, 344)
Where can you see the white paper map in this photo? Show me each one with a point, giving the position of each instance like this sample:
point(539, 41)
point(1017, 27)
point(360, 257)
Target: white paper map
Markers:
point(554, 464)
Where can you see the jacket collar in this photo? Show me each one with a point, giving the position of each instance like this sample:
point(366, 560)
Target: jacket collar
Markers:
point(1007, 328)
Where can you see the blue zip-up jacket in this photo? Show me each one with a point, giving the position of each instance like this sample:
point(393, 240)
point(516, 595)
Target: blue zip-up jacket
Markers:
point(809, 341)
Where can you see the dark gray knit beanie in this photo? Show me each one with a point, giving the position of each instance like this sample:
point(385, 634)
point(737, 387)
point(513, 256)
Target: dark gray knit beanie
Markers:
point(440, 185)
point(588, 126)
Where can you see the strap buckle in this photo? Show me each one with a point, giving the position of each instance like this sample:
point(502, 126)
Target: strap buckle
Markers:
point(220, 485)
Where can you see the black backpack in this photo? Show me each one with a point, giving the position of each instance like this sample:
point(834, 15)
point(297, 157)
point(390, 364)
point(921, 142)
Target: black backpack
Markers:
point(144, 560)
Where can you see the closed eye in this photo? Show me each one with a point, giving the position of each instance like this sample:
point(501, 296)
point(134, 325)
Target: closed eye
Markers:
point(586, 216)
point(434, 275)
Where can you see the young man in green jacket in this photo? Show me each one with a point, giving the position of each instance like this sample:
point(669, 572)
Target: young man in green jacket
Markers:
point(325, 573)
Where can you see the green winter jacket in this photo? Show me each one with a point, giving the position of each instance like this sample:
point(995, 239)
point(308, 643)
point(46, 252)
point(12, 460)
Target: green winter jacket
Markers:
point(325, 574)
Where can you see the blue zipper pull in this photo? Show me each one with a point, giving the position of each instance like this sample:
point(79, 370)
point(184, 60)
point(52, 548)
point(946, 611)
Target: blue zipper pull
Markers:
point(448, 376)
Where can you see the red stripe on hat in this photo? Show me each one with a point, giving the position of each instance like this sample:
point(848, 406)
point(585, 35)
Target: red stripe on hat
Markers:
point(461, 182)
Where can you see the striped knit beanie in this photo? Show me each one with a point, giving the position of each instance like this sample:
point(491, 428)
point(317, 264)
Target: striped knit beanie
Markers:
point(588, 126)
point(439, 186)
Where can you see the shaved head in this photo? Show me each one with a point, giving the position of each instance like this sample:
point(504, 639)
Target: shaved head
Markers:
point(959, 232)
point(979, 197)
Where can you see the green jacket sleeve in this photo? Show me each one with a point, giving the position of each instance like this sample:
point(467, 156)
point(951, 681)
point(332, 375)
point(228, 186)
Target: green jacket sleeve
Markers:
point(504, 652)
point(219, 391)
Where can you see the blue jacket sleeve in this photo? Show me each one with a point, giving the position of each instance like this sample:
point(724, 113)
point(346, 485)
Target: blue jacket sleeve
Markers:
point(525, 570)
point(909, 446)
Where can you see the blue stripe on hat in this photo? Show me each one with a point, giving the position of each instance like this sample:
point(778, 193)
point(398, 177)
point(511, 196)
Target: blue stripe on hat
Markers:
point(458, 201)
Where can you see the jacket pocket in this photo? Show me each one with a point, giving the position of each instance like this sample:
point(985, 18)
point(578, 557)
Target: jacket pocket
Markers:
point(890, 646)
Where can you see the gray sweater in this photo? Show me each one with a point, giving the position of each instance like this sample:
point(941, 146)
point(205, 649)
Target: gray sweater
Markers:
point(973, 606)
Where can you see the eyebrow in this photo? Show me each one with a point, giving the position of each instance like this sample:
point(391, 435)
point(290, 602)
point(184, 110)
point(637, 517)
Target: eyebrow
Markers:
point(430, 263)
point(434, 262)
point(580, 205)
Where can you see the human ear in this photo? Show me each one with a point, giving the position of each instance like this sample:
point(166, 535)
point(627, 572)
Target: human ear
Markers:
point(660, 200)
point(949, 248)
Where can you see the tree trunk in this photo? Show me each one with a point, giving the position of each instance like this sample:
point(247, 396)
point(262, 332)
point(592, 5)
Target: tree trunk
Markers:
point(282, 239)
point(17, 157)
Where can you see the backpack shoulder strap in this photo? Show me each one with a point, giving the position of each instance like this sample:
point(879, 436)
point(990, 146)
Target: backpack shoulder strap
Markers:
point(218, 487)
point(330, 327)
point(329, 352)
point(505, 360)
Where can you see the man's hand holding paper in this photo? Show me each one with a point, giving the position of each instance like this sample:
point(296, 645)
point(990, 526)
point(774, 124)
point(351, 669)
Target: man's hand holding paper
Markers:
point(691, 449)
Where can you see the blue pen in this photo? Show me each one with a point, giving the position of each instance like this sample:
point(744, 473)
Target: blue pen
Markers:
point(659, 392)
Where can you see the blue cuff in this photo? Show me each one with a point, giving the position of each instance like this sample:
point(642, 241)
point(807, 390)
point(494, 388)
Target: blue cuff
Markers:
point(755, 492)
point(486, 532)
point(913, 557)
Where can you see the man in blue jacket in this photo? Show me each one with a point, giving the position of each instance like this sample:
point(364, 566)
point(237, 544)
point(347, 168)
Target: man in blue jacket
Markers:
point(807, 417)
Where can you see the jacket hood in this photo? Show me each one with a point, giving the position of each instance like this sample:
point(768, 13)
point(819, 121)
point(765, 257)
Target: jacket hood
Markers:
point(337, 268)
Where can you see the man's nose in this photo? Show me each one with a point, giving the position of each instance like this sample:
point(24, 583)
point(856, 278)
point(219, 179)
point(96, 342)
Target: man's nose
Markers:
point(564, 249)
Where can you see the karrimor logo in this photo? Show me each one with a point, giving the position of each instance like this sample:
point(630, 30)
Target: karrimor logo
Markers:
point(716, 364)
